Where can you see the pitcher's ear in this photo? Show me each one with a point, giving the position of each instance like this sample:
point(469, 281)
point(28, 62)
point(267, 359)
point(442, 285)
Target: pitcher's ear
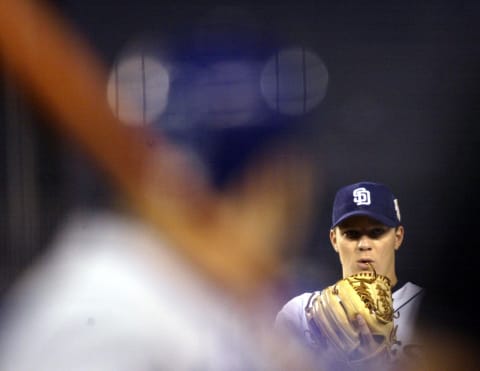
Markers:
point(399, 234)
point(333, 239)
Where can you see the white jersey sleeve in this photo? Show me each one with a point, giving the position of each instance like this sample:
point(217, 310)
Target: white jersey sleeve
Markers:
point(291, 318)
point(406, 303)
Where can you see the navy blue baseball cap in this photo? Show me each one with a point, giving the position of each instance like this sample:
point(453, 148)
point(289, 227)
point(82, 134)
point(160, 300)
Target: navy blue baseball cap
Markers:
point(366, 198)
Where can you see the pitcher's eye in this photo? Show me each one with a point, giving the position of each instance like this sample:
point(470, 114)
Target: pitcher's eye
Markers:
point(352, 234)
point(377, 232)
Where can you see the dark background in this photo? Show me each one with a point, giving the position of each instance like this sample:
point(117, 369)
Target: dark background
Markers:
point(401, 108)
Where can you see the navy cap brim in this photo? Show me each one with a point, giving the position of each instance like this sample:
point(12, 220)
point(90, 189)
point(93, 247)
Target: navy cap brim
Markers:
point(378, 217)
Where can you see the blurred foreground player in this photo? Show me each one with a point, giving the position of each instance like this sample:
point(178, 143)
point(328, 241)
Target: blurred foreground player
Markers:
point(110, 294)
point(366, 232)
point(121, 291)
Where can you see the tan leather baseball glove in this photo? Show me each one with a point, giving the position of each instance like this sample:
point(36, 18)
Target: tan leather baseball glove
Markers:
point(332, 316)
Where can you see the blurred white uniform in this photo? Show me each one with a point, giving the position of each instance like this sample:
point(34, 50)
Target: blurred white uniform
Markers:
point(103, 300)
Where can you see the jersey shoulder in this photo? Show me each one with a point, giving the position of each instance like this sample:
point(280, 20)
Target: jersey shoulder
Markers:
point(407, 293)
point(293, 311)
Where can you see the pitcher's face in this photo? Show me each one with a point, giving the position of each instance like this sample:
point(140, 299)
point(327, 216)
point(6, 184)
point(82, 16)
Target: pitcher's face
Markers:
point(360, 240)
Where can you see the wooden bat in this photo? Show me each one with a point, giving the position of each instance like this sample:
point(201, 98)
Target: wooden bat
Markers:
point(232, 238)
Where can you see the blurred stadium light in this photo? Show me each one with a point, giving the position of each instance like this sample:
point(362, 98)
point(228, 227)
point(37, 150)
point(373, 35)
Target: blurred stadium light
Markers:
point(294, 81)
point(138, 88)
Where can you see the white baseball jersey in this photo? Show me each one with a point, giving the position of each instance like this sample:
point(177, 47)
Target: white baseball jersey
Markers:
point(110, 296)
point(406, 300)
